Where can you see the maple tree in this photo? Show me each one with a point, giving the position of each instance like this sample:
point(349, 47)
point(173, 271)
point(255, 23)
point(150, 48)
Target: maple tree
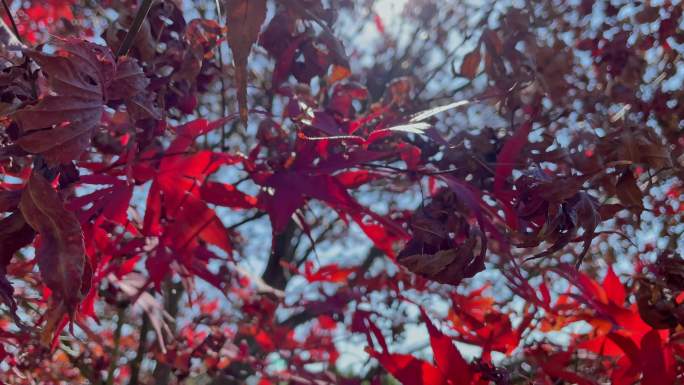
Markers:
point(234, 193)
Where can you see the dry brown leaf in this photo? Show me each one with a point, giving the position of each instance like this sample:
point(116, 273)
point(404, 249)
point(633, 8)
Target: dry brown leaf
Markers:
point(245, 18)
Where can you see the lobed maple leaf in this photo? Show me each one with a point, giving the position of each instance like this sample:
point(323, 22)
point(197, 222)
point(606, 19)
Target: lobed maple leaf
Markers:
point(177, 205)
point(82, 78)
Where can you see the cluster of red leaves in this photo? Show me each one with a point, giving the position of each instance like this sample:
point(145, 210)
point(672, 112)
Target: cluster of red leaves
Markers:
point(619, 345)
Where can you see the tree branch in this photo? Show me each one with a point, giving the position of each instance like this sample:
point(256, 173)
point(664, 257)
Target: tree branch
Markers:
point(115, 353)
point(142, 349)
point(135, 27)
point(281, 250)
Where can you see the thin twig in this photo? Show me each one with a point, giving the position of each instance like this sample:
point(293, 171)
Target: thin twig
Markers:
point(224, 101)
point(246, 220)
point(408, 171)
point(11, 19)
point(135, 27)
point(114, 358)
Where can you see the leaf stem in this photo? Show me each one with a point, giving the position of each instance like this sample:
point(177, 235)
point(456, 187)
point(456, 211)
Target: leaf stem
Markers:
point(135, 27)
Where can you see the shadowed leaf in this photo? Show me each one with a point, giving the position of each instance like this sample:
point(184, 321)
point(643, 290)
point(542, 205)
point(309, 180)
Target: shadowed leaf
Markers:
point(61, 253)
point(60, 125)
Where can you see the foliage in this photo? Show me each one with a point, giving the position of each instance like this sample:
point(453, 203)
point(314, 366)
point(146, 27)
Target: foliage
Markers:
point(187, 213)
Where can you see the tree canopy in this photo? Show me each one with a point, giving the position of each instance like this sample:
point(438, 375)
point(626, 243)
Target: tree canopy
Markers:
point(354, 192)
